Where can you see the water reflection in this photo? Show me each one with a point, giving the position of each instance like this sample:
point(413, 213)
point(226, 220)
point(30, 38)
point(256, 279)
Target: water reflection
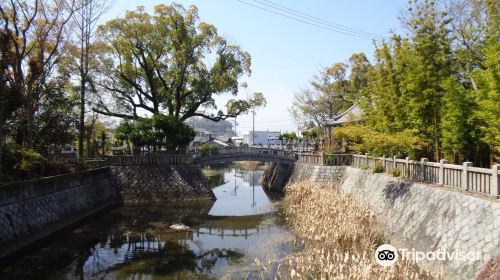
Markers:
point(136, 242)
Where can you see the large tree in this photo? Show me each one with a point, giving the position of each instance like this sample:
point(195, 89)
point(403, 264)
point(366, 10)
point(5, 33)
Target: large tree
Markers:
point(10, 91)
point(170, 63)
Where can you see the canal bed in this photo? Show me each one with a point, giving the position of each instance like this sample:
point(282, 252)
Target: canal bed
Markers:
point(136, 242)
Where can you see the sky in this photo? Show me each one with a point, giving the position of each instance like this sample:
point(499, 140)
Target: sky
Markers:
point(286, 53)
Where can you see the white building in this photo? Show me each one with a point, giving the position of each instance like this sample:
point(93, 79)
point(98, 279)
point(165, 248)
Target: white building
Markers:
point(264, 138)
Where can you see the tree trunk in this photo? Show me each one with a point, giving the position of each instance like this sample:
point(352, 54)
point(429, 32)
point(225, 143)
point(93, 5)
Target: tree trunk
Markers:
point(1, 135)
point(81, 130)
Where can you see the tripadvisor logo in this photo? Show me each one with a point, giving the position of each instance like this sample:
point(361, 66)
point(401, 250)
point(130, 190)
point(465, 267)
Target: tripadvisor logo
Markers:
point(386, 255)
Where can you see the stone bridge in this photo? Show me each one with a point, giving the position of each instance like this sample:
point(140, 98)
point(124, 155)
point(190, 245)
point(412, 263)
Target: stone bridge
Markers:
point(250, 154)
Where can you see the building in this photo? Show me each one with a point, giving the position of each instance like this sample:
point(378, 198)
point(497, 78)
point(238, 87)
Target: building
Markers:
point(352, 115)
point(261, 138)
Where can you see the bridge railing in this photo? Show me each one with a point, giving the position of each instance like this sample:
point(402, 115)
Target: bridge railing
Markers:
point(250, 151)
point(150, 160)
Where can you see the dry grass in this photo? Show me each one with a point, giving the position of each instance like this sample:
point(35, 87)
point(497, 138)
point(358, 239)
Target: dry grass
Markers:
point(339, 238)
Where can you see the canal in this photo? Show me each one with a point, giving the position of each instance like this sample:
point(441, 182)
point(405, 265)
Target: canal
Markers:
point(136, 241)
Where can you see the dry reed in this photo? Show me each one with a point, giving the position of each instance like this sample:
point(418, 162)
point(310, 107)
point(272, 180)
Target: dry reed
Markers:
point(339, 238)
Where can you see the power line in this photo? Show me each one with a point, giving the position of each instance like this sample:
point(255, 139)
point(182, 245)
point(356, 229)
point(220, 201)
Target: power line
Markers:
point(243, 121)
point(327, 27)
point(315, 19)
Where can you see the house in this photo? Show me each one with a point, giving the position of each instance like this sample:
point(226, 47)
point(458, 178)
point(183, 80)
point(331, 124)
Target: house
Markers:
point(351, 115)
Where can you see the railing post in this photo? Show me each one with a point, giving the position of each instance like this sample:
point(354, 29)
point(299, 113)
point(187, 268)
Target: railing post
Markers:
point(423, 164)
point(366, 159)
point(383, 163)
point(407, 167)
point(494, 183)
point(465, 175)
point(394, 163)
point(442, 162)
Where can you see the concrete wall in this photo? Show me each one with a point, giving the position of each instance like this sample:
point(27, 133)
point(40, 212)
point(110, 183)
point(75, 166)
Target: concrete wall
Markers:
point(34, 209)
point(423, 216)
point(162, 183)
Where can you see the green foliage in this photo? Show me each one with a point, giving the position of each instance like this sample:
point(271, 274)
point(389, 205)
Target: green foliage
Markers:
point(378, 168)
point(19, 162)
point(363, 139)
point(455, 111)
point(395, 172)
point(207, 149)
point(156, 133)
point(158, 61)
point(488, 94)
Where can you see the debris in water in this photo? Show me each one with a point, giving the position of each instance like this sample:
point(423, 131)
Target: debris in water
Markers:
point(179, 227)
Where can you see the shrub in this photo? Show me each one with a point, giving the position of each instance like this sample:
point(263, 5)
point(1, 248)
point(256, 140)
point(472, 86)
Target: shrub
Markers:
point(378, 168)
point(207, 149)
point(396, 172)
point(363, 166)
point(363, 139)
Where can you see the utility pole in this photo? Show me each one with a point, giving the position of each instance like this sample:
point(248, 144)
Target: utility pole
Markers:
point(253, 127)
point(235, 133)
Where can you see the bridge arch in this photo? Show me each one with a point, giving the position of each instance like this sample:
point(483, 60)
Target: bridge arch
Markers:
point(240, 154)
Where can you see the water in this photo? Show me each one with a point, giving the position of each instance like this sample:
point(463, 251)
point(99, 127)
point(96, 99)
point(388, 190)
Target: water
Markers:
point(136, 242)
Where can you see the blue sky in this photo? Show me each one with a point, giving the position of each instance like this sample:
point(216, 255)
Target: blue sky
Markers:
point(287, 53)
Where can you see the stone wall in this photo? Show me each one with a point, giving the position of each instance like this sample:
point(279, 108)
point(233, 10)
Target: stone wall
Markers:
point(34, 209)
point(275, 178)
point(422, 216)
point(317, 173)
point(162, 183)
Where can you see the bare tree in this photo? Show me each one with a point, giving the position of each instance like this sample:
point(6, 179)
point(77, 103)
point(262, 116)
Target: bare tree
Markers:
point(85, 20)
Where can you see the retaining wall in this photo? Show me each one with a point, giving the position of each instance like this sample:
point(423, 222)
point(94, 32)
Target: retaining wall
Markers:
point(423, 216)
point(275, 178)
point(162, 183)
point(32, 210)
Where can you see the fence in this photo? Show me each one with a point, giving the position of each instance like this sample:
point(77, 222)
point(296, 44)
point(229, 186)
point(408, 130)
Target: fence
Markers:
point(251, 151)
point(149, 160)
point(466, 177)
point(326, 159)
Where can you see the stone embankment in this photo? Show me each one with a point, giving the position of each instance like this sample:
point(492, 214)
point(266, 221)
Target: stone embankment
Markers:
point(32, 210)
point(162, 183)
point(425, 217)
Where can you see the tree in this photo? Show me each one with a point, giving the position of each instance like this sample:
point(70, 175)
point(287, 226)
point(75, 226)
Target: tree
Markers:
point(11, 94)
point(358, 78)
point(325, 97)
point(488, 94)
point(123, 132)
point(455, 114)
point(157, 63)
point(85, 20)
point(36, 31)
point(431, 52)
